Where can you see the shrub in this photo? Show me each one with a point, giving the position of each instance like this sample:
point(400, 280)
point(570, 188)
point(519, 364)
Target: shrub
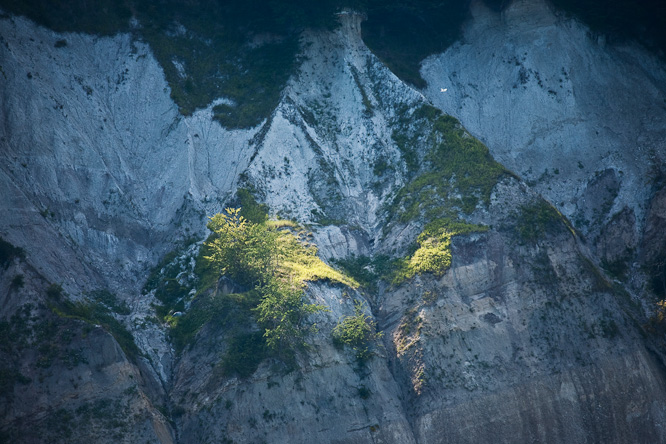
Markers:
point(282, 313)
point(8, 252)
point(357, 332)
point(17, 282)
point(246, 252)
point(55, 292)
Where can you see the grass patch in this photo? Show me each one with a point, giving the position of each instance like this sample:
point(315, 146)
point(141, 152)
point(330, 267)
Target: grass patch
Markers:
point(433, 254)
point(300, 261)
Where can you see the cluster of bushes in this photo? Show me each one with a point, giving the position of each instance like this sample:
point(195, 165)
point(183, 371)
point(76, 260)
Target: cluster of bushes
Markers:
point(273, 264)
point(248, 285)
point(358, 332)
point(250, 279)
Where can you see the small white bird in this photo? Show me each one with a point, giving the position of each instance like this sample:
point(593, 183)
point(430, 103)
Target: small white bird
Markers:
point(443, 90)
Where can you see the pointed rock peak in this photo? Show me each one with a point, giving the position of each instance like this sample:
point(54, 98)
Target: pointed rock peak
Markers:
point(350, 22)
point(530, 13)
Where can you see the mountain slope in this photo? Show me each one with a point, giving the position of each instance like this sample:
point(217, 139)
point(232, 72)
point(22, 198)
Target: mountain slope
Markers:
point(511, 333)
point(581, 121)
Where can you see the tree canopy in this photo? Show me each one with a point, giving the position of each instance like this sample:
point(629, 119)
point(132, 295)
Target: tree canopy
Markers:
point(275, 264)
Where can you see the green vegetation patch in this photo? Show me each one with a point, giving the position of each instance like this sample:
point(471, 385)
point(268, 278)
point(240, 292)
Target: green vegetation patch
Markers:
point(250, 209)
point(643, 21)
point(244, 354)
point(222, 53)
point(368, 271)
point(433, 254)
point(97, 313)
point(245, 50)
point(232, 312)
point(537, 219)
point(102, 17)
point(457, 174)
point(357, 332)
point(402, 33)
point(248, 282)
point(252, 254)
point(110, 301)
point(459, 171)
point(265, 268)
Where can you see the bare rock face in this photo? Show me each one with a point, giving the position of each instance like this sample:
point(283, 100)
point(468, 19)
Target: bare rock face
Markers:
point(617, 242)
point(523, 338)
point(655, 222)
point(100, 167)
point(551, 100)
point(653, 255)
point(329, 397)
point(502, 351)
point(65, 379)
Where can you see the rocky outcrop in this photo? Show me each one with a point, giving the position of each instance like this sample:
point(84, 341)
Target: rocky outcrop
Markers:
point(102, 173)
point(580, 120)
point(504, 351)
point(64, 378)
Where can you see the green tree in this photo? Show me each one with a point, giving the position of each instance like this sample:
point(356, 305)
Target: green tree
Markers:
point(358, 332)
point(246, 252)
point(250, 254)
point(283, 313)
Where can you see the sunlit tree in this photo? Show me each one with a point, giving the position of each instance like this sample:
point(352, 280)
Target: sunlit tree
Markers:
point(245, 252)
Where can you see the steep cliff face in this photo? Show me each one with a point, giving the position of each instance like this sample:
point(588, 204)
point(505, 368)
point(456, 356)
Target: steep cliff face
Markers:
point(581, 121)
point(65, 378)
point(521, 339)
point(101, 170)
